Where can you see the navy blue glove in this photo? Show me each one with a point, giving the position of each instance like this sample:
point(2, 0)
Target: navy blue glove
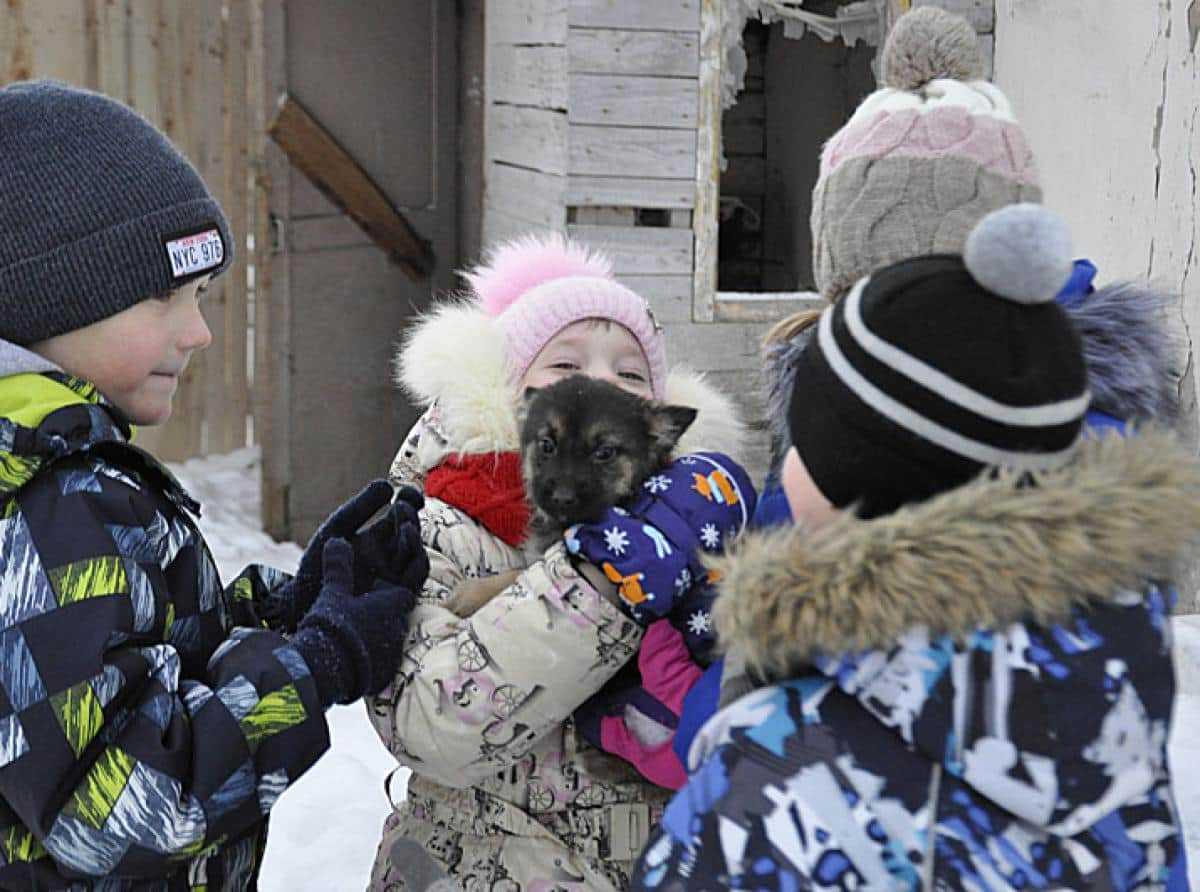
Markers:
point(292, 600)
point(390, 550)
point(351, 643)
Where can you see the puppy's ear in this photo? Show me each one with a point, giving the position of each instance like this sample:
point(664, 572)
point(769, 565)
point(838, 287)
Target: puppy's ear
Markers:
point(529, 393)
point(666, 424)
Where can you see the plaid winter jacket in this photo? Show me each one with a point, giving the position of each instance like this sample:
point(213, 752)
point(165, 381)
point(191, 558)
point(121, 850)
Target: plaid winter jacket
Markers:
point(145, 727)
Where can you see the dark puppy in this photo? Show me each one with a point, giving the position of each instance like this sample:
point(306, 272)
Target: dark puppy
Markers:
point(586, 446)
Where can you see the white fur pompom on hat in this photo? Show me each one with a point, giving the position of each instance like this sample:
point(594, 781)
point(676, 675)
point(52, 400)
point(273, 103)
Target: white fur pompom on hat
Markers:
point(1021, 252)
point(537, 285)
point(929, 44)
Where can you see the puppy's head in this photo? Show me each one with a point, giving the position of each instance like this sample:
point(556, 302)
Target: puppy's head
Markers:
point(587, 445)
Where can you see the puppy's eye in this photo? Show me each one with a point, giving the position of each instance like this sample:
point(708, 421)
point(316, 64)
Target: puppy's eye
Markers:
point(604, 453)
point(547, 445)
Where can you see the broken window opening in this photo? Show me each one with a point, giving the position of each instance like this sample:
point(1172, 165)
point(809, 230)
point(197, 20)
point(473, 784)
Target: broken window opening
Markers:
point(796, 93)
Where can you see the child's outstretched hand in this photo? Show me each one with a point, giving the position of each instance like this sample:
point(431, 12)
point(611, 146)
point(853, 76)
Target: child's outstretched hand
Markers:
point(651, 550)
point(390, 550)
point(292, 600)
point(352, 644)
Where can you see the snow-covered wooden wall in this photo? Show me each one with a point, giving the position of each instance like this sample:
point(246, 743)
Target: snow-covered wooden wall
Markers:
point(1108, 93)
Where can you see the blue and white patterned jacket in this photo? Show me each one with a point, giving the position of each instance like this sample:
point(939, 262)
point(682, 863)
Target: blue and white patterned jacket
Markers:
point(970, 694)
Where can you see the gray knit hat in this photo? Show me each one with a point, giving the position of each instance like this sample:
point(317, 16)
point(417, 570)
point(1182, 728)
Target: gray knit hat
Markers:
point(922, 160)
point(98, 212)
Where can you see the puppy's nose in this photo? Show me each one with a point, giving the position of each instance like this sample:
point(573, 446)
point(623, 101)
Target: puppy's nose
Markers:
point(564, 499)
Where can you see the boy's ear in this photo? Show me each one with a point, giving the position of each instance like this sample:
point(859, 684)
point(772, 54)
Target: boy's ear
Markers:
point(667, 424)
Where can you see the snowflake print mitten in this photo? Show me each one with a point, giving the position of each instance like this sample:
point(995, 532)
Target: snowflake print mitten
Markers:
point(652, 549)
point(638, 723)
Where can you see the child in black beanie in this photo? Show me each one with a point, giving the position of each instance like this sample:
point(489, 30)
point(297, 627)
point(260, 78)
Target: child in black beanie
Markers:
point(962, 646)
point(148, 719)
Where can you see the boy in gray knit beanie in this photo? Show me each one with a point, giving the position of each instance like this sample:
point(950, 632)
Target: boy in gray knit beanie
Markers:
point(149, 719)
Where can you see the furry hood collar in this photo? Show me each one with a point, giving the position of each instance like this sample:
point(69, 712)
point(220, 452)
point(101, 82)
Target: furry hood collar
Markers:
point(986, 554)
point(454, 357)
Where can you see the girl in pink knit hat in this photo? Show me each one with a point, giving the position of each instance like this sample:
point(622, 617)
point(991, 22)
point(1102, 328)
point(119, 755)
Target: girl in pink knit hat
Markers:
point(504, 788)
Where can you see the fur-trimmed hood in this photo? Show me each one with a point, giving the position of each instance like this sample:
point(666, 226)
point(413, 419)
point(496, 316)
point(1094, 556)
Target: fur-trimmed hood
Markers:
point(984, 555)
point(455, 357)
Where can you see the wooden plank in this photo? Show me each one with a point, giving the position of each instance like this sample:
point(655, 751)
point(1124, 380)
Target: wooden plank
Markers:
point(640, 250)
point(724, 347)
point(15, 44)
point(669, 296)
point(528, 194)
point(767, 306)
point(642, 15)
point(144, 83)
point(106, 35)
point(621, 51)
point(319, 157)
point(528, 75)
point(56, 40)
point(499, 226)
point(209, 35)
point(632, 151)
point(227, 424)
point(638, 192)
point(526, 21)
point(272, 395)
point(626, 101)
point(528, 137)
point(706, 170)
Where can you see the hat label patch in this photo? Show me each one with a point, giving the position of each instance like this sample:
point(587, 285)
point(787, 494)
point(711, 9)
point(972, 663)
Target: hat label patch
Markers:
point(195, 253)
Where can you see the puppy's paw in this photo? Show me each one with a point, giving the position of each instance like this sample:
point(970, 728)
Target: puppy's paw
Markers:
point(471, 594)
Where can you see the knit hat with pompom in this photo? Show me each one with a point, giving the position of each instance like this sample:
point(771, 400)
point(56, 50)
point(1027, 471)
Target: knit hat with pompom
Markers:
point(922, 160)
point(937, 367)
point(537, 285)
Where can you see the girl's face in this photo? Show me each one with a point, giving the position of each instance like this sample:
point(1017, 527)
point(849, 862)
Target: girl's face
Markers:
point(596, 348)
point(809, 506)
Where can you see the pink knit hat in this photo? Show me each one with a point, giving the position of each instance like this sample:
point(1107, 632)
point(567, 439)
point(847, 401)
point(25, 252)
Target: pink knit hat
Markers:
point(537, 285)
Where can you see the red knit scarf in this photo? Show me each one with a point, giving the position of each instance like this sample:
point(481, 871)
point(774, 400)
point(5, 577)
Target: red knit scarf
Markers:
point(489, 488)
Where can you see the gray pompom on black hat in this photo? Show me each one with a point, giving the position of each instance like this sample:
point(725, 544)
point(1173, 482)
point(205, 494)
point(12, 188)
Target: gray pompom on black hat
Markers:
point(927, 44)
point(1021, 252)
point(98, 212)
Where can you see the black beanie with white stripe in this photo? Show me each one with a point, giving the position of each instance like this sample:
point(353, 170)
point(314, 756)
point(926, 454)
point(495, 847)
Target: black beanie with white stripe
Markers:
point(932, 369)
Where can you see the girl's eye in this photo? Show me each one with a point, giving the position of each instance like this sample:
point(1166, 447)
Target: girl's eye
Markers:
point(547, 445)
point(604, 453)
point(565, 365)
point(634, 376)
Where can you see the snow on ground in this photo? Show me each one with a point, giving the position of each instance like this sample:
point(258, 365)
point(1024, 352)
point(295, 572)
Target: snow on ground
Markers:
point(325, 828)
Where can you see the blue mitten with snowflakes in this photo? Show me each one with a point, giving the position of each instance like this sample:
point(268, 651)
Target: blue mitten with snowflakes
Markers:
point(651, 549)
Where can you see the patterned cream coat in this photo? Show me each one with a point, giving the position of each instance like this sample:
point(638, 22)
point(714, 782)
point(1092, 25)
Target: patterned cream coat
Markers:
point(505, 794)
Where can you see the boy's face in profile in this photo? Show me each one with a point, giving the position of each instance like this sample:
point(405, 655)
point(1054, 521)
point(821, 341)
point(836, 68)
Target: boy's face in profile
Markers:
point(137, 356)
point(808, 505)
point(596, 348)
